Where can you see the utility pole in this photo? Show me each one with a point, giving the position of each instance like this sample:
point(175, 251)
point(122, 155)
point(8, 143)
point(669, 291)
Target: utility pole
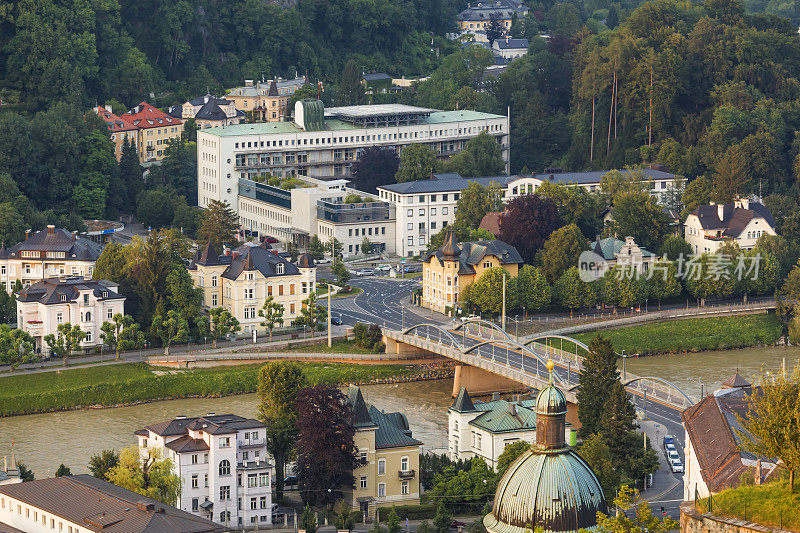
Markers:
point(504, 302)
point(330, 341)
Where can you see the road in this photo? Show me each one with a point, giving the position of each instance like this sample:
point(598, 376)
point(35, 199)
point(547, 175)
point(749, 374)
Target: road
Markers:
point(386, 302)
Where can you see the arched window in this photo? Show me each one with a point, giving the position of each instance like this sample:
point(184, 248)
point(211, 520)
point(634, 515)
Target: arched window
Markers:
point(224, 467)
point(88, 316)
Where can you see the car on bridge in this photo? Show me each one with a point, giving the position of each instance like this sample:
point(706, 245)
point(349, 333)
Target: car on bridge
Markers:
point(470, 317)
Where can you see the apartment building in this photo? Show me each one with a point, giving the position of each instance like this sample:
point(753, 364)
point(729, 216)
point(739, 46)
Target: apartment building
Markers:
point(317, 207)
point(85, 504)
point(447, 271)
point(708, 227)
point(266, 101)
point(223, 463)
point(240, 280)
point(51, 252)
point(390, 474)
point(87, 303)
point(154, 130)
point(478, 15)
point(118, 129)
point(324, 143)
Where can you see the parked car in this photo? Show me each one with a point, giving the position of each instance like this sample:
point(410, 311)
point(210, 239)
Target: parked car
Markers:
point(324, 261)
point(470, 317)
point(336, 320)
point(456, 524)
point(365, 272)
point(411, 269)
point(668, 439)
point(676, 466)
point(672, 455)
point(271, 240)
point(290, 481)
point(384, 268)
point(669, 448)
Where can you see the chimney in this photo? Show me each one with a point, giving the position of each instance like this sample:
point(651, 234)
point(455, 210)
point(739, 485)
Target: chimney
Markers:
point(720, 211)
point(205, 99)
point(235, 255)
point(51, 229)
point(27, 234)
point(495, 396)
point(108, 108)
point(248, 83)
point(145, 506)
point(74, 235)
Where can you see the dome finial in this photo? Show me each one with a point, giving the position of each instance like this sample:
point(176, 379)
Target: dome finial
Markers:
point(550, 366)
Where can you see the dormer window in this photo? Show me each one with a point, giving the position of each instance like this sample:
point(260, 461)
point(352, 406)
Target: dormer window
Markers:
point(105, 294)
point(279, 268)
point(63, 297)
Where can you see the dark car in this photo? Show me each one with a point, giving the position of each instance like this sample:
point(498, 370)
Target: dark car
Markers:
point(290, 481)
point(455, 524)
point(336, 320)
point(413, 269)
point(668, 439)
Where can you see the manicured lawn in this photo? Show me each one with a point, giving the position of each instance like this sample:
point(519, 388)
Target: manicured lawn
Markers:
point(131, 382)
point(771, 504)
point(694, 334)
point(337, 347)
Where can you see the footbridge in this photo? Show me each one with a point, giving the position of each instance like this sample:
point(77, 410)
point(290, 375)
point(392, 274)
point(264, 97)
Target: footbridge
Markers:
point(492, 360)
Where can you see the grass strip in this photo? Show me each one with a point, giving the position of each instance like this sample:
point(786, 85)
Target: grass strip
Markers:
point(693, 334)
point(135, 382)
point(770, 504)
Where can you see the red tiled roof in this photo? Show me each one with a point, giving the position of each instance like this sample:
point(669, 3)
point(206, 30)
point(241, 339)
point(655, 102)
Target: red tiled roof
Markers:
point(491, 222)
point(146, 116)
point(115, 123)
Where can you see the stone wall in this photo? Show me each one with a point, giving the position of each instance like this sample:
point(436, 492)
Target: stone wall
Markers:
point(693, 521)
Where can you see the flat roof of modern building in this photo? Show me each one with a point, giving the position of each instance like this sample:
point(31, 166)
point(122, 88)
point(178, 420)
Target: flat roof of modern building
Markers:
point(375, 110)
point(283, 128)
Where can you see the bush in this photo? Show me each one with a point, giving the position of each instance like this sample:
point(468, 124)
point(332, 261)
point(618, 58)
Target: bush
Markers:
point(415, 512)
point(369, 337)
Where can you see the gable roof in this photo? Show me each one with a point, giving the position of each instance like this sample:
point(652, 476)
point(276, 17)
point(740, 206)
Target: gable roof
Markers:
point(52, 239)
point(146, 116)
point(211, 423)
point(187, 444)
point(711, 426)
point(608, 247)
point(491, 222)
point(60, 290)
point(473, 252)
point(505, 416)
point(734, 219)
point(509, 43)
point(247, 257)
point(115, 124)
point(97, 505)
point(210, 111)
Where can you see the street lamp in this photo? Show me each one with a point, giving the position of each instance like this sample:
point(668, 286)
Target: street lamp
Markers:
point(624, 375)
point(516, 327)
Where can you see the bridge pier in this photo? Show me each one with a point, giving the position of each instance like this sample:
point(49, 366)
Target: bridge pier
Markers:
point(481, 382)
point(401, 348)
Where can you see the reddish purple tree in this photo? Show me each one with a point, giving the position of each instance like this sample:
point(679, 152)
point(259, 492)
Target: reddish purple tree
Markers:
point(326, 451)
point(527, 222)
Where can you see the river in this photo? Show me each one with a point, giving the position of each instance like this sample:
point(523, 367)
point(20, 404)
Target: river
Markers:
point(44, 441)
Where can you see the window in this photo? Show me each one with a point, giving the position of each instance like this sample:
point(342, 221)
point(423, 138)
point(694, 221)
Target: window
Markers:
point(263, 479)
point(224, 468)
point(225, 442)
point(444, 210)
point(279, 268)
point(225, 516)
point(433, 211)
point(253, 504)
point(487, 264)
point(410, 213)
point(422, 212)
point(110, 314)
point(381, 467)
point(252, 480)
point(213, 281)
point(205, 480)
point(195, 481)
point(225, 492)
point(85, 299)
point(214, 300)
point(195, 504)
point(60, 316)
point(381, 490)
point(410, 240)
point(404, 487)
point(363, 480)
point(249, 294)
point(245, 456)
point(88, 336)
point(404, 464)
point(262, 502)
point(422, 198)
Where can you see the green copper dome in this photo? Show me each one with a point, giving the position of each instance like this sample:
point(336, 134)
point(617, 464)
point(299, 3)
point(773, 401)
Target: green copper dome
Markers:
point(551, 401)
point(557, 491)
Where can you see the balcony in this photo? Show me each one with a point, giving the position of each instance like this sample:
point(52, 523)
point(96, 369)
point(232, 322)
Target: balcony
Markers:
point(253, 465)
point(252, 443)
point(406, 474)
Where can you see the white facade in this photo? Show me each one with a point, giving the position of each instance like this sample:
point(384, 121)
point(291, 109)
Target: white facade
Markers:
point(286, 149)
point(44, 305)
point(225, 469)
point(707, 228)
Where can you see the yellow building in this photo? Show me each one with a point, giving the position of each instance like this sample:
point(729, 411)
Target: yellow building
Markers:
point(447, 271)
point(118, 129)
point(265, 101)
point(476, 17)
point(241, 280)
point(390, 456)
point(155, 130)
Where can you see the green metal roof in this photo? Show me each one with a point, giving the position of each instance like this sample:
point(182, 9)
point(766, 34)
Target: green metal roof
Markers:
point(505, 418)
point(551, 401)
point(278, 128)
point(608, 247)
point(557, 491)
point(391, 429)
point(463, 402)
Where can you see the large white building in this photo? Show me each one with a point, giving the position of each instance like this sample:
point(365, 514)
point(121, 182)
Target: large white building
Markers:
point(222, 460)
point(317, 207)
point(708, 227)
point(86, 303)
point(325, 142)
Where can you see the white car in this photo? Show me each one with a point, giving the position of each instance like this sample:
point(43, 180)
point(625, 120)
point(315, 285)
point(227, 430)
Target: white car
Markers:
point(324, 261)
point(672, 455)
point(670, 448)
point(470, 317)
point(676, 466)
point(365, 272)
point(384, 268)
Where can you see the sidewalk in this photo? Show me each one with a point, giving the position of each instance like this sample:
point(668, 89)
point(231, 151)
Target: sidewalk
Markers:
point(664, 481)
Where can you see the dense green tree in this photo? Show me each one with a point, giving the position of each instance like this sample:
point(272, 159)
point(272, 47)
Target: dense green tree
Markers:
point(638, 215)
point(101, 464)
point(272, 313)
point(177, 170)
point(571, 292)
point(65, 341)
point(486, 293)
point(530, 289)
point(340, 271)
point(157, 207)
point(312, 314)
point(473, 204)
point(350, 90)
point(561, 251)
point(481, 156)
point(219, 226)
point(122, 333)
point(595, 451)
point(417, 162)
point(278, 385)
point(527, 223)
point(150, 476)
point(597, 377)
point(221, 324)
point(17, 347)
point(170, 328)
point(575, 205)
point(510, 454)
point(63, 470)
point(675, 247)
point(376, 166)
point(663, 282)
